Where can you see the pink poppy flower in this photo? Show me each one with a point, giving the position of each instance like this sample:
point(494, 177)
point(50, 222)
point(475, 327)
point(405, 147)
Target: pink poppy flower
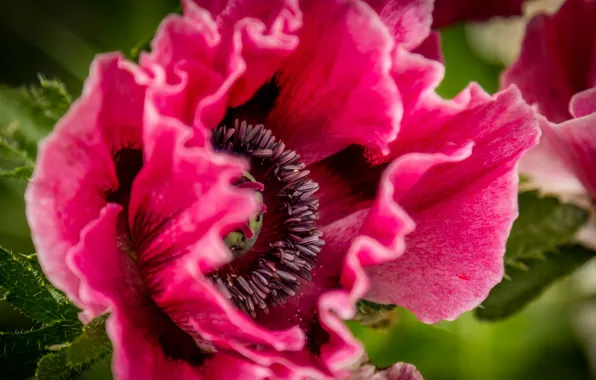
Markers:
point(253, 240)
point(556, 73)
point(337, 96)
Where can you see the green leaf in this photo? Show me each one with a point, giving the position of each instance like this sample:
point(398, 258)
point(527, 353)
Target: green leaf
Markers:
point(543, 224)
point(374, 314)
point(28, 291)
point(20, 351)
point(522, 285)
point(51, 98)
point(56, 367)
point(92, 344)
point(23, 172)
point(33, 110)
point(26, 116)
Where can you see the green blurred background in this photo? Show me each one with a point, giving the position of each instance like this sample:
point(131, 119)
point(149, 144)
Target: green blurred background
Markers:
point(548, 340)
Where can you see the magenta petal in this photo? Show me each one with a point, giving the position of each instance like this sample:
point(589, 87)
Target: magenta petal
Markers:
point(335, 89)
point(449, 12)
point(574, 142)
point(135, 326)
point(408, 20)
point(583, 103)
point(185, 53)
point(256, 36)
point(443, 274)
point(75, 167)
point(548, 166)
point(108, 276)
point(558, 59)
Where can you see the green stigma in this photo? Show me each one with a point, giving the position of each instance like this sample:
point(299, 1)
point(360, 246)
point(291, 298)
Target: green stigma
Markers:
point(237, 241)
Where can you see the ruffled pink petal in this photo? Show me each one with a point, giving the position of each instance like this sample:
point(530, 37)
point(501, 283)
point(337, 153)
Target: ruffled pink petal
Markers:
point(442, 275)
point(256, 37)
point(138, 329)
point(574, 143)
point(110, 277)
point(258, 40)
point(235, 48)
point(75, 169)
point(184, 57)
point(449, 12)
point(408, 21)
point(557, 60)
point(334, 90)
point(546, 165)
point(583, 103)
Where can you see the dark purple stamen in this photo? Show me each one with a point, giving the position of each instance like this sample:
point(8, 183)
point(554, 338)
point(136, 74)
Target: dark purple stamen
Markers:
point(276, 274)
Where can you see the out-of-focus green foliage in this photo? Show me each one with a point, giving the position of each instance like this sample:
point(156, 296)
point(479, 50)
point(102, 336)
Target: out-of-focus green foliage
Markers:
point(538, 343)
point(537, 253)
point(524, 283)
point(544, 223)
point(462, 65)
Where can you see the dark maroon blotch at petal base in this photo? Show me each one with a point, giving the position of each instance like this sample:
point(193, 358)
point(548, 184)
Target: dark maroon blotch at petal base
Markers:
point(449, 12)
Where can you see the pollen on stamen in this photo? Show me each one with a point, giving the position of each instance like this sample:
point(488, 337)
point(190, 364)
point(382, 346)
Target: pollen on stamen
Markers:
point(277, 273)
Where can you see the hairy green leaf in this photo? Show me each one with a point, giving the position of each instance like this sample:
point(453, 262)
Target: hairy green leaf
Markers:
point(374, 314)
point(28, 291)
point(543, 224)
point(523, 284)
point(26, 116)
point(23, 172)
point(92, 344)
point(20, 351)
point(56, 367)
point(51, 98)
point(34, 110)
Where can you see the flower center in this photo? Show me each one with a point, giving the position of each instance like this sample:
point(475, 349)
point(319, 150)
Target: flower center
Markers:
point(241, 242)
point(271, 253)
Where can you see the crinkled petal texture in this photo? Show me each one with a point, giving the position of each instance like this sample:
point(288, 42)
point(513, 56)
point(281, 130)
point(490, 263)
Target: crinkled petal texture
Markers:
point(338, 96)
point(463, 205)
point(556, 72)
point(116, 223)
